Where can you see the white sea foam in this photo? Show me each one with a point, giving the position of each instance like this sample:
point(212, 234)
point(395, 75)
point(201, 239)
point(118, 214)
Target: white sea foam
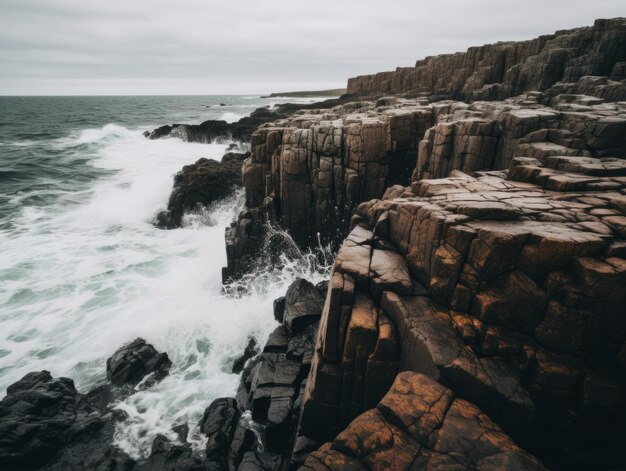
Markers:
point(230, 117)
point(78, 281)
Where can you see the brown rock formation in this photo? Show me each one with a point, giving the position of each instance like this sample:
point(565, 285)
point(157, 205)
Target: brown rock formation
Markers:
point(510, 292)
point(419, 424)
point(486, 255)
point(505, 69)
point(310, 171)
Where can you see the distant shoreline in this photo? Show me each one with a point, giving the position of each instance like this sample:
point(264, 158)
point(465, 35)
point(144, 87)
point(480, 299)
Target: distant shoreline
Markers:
point(308, 94)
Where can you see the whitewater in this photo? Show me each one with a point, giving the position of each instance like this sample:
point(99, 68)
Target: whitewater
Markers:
point(83, 270)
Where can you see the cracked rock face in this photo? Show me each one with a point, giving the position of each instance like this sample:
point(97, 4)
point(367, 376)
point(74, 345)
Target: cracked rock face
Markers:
point(505, 69)
point(420, 424)
point(507, 290)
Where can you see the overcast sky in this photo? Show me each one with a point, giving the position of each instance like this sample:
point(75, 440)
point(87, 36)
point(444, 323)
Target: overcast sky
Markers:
point(235, 46)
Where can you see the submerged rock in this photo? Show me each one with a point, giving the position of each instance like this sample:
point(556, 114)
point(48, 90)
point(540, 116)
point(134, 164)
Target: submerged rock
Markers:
point(201, 184)
point(134, 361)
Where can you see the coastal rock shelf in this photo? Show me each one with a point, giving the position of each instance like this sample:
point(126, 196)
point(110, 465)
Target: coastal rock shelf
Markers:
point(509, 291)
point(505, 69)
point(419, 424)
point(310, 171)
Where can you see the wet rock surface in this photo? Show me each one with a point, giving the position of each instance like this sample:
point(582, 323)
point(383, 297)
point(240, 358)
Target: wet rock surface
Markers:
point(199, 185)
point(257, 430)
point(45, 423)
point(41, 417)
point(133, 362)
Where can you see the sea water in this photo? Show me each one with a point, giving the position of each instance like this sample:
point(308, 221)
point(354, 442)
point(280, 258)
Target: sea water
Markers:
point(83, 270)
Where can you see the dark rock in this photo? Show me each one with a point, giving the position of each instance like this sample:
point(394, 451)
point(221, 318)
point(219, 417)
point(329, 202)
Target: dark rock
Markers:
point(279, 309)
point(182, 431)
point(219, 423)
point(260, 461)
point(277, 341)
point(322, 287)
point(303, 305)
point(131, 363)
point(44, 421)
point(302, 345)
point(244, 390)
point(201, 184)
point(101, 397)
point(251, 350)
point(166, 456)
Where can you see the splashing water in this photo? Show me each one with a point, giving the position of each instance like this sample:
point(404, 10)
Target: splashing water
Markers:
point(83, 271)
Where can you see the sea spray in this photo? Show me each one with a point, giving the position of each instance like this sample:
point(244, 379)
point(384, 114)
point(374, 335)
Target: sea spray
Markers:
point(83, 270)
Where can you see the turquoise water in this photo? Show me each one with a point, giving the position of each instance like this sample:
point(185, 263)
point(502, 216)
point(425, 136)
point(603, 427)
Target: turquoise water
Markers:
point(82, 269)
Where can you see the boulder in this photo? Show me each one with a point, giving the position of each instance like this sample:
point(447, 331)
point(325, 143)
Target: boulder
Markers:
point(199, 185)
point(303, 306)
point(45, 423)
point(218, 423)
point(133, 362)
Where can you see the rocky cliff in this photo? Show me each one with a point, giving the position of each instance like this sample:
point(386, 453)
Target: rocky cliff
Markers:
point(505, 69)
point(477, 302)
point(309, 172)
point(475, 316)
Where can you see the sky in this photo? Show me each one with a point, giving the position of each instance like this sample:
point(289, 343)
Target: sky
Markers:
point(161, 47)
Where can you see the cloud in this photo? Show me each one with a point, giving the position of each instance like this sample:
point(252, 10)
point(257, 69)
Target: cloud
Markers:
point(202, 46)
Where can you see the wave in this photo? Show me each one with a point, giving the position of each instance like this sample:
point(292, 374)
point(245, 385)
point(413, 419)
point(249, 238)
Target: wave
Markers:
point(78, 280)
point(230, 117)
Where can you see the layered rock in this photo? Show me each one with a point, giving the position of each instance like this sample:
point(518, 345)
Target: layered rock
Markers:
point(508, 291)
point(505, 69)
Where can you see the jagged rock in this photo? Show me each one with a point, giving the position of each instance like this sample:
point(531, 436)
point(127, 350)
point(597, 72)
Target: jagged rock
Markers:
point(217, 130)
point(504, 69)
point(303, 306)
point(218, 423)
point(510, 313)
point(201, 184)
point(251, 350)
point(279, 309)
point(46, 424)
point(497, 271)
point(419, 424)
point(277, 341)
point(134, 361)
point(167, 456)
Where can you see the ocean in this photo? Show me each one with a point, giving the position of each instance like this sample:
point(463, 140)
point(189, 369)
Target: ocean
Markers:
point(83, 270)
